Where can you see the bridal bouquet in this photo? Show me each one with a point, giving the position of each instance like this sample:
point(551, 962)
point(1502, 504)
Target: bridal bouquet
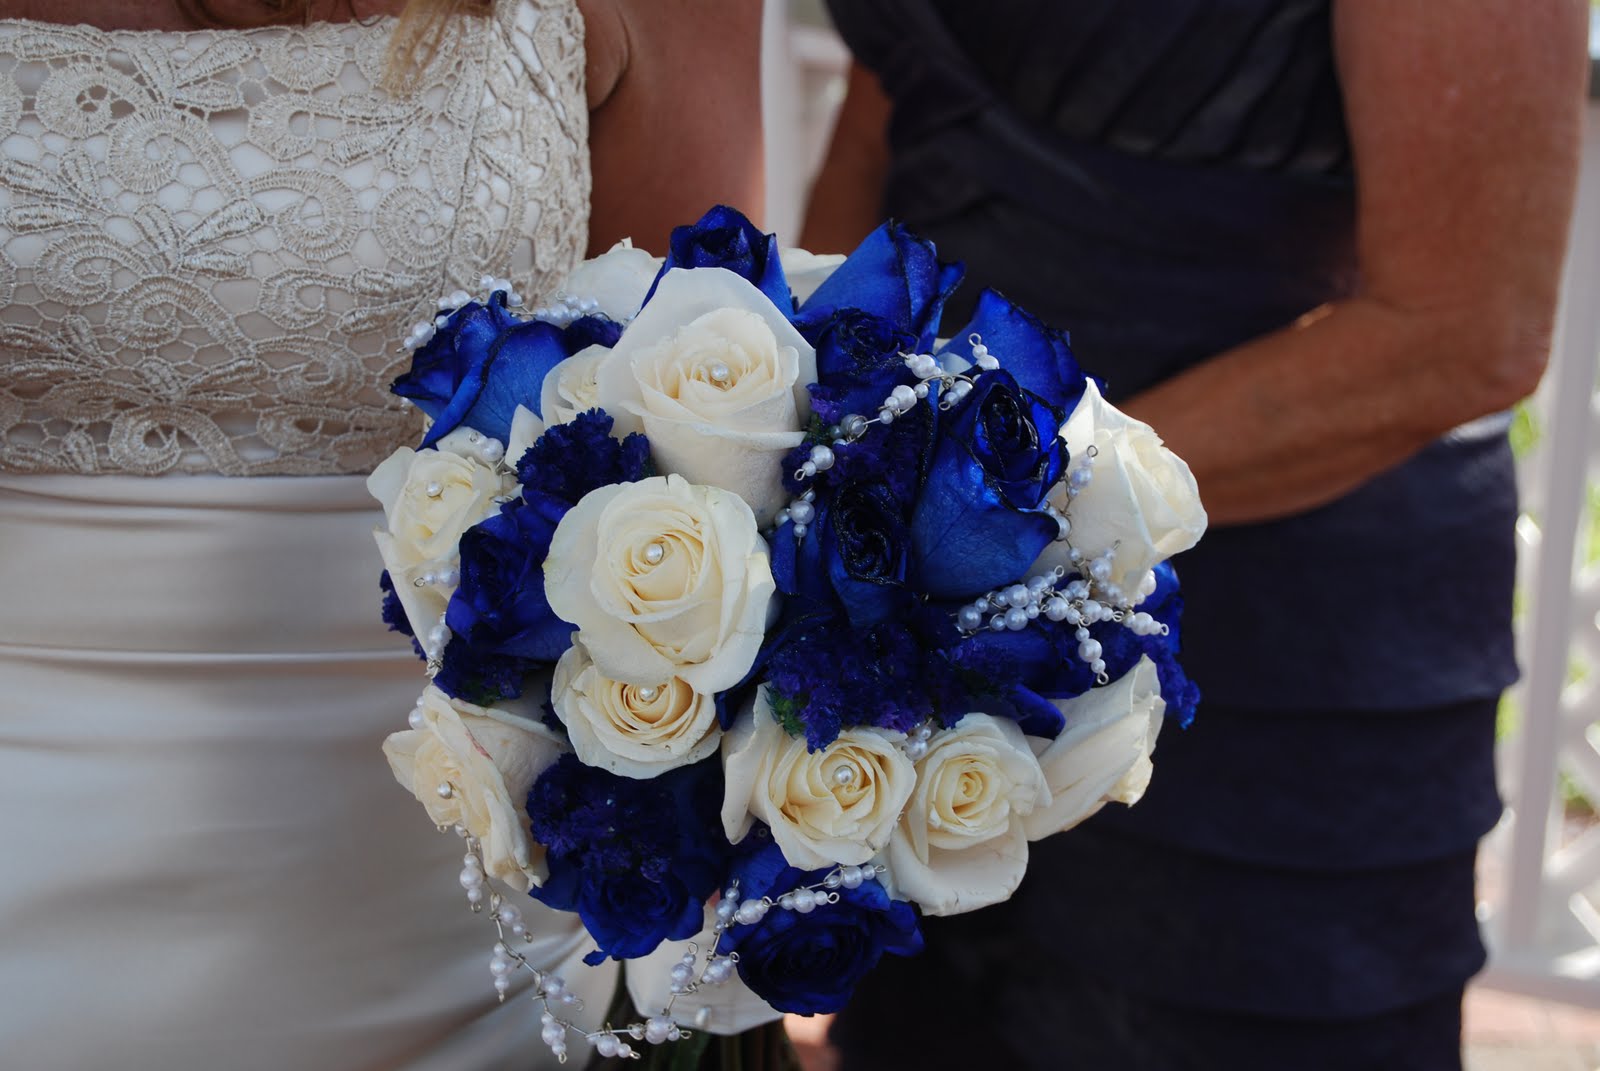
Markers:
point(759, 619)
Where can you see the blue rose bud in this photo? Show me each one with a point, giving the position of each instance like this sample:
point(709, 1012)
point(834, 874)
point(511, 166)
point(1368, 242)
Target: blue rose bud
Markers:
point(1038, 357)
point(856, 554)
point(484, 362)
point(724, 238)
point(809, 963)
point(894, 275)
point(979, 521)
point(859, 361)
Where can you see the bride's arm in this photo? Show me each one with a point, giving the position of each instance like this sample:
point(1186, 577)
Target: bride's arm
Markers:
point(1464, 120)
point(675, 114)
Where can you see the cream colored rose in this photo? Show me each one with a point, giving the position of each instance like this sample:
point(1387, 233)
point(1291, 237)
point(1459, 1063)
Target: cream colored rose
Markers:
point(570, 388)
point(1104, 752)
point(635, 730)
point(961, 844)
point(806, 271)
point(716, 376)
point(664, 579)
point(1141, 503)
point(836, 805)
point(429, 498)
point(616, 281)
point(474, 766)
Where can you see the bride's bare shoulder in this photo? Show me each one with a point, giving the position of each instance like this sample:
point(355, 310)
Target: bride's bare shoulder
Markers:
point(178, 15)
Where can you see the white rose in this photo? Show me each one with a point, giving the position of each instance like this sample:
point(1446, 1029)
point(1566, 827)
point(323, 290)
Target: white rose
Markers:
point(429, 498)
point(489, 758)
point(570, 387)
point(806, 271)
point(1142, 502)
point(733, 1007)
point(836, 805)
point(635, 730)
point(616, 280)
point(1103, 753)
point(716, 376)
point(961, 844)
point(664, 579)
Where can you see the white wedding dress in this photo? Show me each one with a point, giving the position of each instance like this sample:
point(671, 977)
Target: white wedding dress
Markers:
point(210, 246)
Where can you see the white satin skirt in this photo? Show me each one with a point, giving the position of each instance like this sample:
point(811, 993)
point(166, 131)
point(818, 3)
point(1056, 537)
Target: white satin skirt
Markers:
point(204, 861)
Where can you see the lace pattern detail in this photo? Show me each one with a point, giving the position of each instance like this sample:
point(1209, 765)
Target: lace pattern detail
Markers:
point(212, 243)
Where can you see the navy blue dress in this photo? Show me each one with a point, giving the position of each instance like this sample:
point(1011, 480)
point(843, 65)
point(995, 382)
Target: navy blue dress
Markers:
point(1167, 179)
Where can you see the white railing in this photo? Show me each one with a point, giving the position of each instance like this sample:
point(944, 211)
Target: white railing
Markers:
point(1541, 885)
point(1542, 867)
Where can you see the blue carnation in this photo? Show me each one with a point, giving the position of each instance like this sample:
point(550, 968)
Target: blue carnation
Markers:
point(394, 614)
point(893, 275)
point(636, 860)
point(809, 964)
point(501, 623)
point(570, 460)
point(724, 238)
point(979, 521)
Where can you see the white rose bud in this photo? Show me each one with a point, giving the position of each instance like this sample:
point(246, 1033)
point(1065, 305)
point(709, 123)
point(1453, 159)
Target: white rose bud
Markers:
point(1104, 752)
point(664, 579)
point(836, 805)
point(634, 730)
point(806, 271)
point(429, 498)
point(1142, 502)
point(961, 844)
point(617, 280)
point(716, 376)
point(473, 766)
point(570, 388)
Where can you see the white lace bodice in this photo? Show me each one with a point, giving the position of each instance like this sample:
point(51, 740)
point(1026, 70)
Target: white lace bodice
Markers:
point(212, 243)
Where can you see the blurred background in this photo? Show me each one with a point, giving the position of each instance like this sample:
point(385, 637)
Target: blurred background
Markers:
point(1537, 1007)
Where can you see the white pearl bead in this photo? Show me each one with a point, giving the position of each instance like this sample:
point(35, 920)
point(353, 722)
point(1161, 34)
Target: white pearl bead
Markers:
point(501, 983)
point(414, 719)
point(1089, 650)
point(850, 877)
point(648, 693)
point(969, 618)
point(844, 774)
point(719, 373)
point(654, 553)
point(805, 901)
point(998, 622)
point(751, 912)
point(445, 791)
point(1017, 595)
point(725, 910)
point(808, 470)
point(492, 451)
point(554, 985)
point(1016, 619)
point(607, 1045)
point(475, 895)
point(509, 914)
point(681, 973)
point(802, 512)
point(499, 967)
point(786, 902)
point(471, 877)
point(656, 1030)
point(1056, 609)
point(822, 457)
point(1100, 569)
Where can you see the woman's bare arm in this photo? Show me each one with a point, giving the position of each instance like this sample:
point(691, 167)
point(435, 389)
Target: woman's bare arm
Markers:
point(1464, 120)
point(675, 114)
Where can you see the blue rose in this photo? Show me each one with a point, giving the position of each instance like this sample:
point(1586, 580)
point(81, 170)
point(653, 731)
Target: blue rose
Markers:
point(501, 625)
point(809, 964)
point(724, 238)
point(484, 362)
point(856, 553)
point(859, 361)
point(636, 860)
point(1038, 357)
point(979, 521)
point(893, 275)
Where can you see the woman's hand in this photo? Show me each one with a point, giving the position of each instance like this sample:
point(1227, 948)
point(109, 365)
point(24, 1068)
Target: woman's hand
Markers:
point(1464, 119)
